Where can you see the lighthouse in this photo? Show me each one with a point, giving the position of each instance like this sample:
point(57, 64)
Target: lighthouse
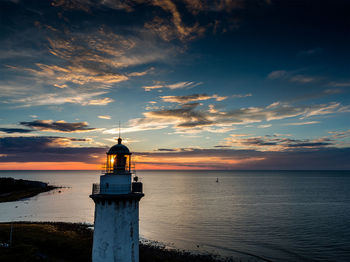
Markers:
point(116, 227)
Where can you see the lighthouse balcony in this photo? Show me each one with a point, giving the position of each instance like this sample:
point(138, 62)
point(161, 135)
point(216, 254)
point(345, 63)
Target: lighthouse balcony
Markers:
point(111, 189)
point(106, 189)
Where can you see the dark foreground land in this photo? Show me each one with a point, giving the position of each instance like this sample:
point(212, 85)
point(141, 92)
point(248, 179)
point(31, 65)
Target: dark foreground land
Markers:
point(16, 189)
point(72, 242)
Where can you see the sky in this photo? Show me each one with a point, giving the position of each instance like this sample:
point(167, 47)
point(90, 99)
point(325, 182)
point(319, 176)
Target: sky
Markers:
point(194, 84)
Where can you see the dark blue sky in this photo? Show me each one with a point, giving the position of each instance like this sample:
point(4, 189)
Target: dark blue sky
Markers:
point(252, 84)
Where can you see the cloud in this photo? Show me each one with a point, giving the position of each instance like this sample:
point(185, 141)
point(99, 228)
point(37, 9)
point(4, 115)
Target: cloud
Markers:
point(13, 88)
point(126, 140)
point(182, 85)
point(167, 31)
point(196, 6)
point(107, 117)
point(332, 91)
point(276, 143)
point(141, 73)
point(180, 158)
point(185, 116)
point(339, 84)
point(311, 52)
point(73, 4)
point(191, 118)
point(302, 79)
point(331, 108)
point(277, 74)
point(81, 58)
point(178, 85)
point(191, 98)
point(241, 95)
point(138, 128)
point(47, 149)
point(94, 53)
point(84, 99)
point(59, 149)
point(166, 150)
point(98, 102)
point(291, 77)
point(149, 88)
point(76, 74)
point(54, 149)
point(339, 134)
point(173, 20)
point(15, 130)
point(264, 126)
point(60, 86)
point(303, 123)
point(323, 158)
point(97, 57)
point(58, 126)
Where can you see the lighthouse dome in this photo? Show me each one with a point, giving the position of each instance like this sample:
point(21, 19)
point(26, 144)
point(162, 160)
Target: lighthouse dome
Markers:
point(119, 149)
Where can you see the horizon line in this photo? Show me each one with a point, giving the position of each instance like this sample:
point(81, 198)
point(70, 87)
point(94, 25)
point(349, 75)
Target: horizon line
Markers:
point(1, 170)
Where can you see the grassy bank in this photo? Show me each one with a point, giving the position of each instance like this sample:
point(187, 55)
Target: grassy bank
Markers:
point(72, 242)
point(16, 189)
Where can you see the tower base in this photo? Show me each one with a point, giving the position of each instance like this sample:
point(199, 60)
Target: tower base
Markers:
point(116, 229)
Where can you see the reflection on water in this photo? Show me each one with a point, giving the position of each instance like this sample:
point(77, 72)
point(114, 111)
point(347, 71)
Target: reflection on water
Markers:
point(289, 216)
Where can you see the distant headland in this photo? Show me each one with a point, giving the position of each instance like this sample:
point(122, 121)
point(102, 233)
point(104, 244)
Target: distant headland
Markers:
point(16, 189)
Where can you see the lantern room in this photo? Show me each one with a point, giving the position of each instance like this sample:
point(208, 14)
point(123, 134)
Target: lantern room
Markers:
point(118, 159)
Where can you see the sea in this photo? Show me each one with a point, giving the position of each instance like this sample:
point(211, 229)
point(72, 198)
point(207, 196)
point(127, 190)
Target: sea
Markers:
point(245, 215)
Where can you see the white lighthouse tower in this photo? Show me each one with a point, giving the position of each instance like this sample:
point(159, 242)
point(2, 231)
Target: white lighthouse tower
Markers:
point(116, 230)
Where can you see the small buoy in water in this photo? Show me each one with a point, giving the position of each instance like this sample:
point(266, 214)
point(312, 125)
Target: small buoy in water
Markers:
point(217, 180)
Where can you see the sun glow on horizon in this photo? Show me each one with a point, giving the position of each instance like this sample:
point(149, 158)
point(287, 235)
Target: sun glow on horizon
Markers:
point(142, 163)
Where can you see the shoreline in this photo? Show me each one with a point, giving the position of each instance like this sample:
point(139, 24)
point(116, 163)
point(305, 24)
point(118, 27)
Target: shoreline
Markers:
point(60, 241)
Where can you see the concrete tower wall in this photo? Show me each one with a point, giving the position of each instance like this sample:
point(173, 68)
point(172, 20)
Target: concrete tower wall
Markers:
point(116, 235)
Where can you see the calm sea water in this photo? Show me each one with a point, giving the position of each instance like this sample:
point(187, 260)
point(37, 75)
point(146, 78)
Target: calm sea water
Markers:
point(253, 216)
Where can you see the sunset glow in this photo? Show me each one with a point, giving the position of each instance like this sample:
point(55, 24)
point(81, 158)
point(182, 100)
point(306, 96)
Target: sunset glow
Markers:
point(49, 166)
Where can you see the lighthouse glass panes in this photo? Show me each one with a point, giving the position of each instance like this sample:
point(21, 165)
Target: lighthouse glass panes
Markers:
point(118, 163)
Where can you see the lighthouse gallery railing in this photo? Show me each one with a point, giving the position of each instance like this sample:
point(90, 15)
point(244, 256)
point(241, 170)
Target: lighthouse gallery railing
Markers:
point(96, 189)
point(110, 189)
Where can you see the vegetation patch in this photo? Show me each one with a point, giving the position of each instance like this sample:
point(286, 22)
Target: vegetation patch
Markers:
point(67, 242)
